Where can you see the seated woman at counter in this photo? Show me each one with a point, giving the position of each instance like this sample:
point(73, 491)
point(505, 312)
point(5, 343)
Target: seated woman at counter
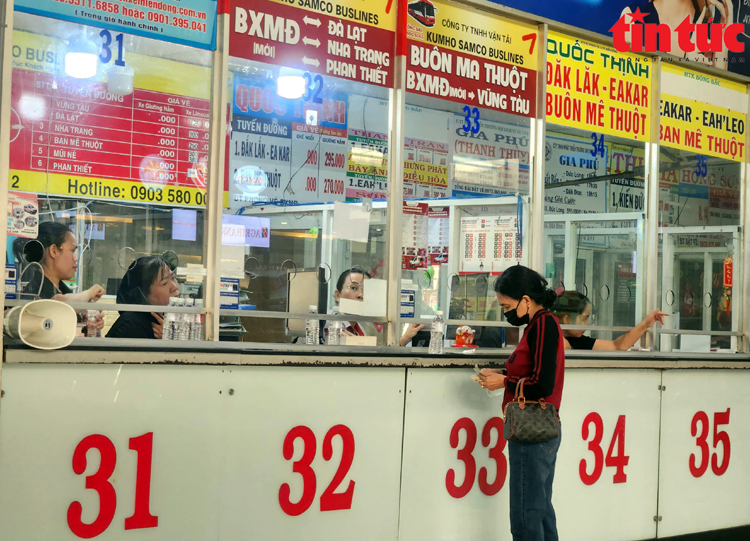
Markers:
point(149, 280)
point(350, 285)
point(59, 261)
point(574, 308)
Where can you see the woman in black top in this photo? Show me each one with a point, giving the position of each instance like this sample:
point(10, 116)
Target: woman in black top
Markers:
point(574, 308)
point(56, 250)
point(149, 280)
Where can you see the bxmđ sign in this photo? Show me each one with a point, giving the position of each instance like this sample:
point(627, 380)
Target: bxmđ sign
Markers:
point(339, 38)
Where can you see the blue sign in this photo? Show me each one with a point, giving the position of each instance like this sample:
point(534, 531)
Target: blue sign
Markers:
point(187, 22)
point(259, 97)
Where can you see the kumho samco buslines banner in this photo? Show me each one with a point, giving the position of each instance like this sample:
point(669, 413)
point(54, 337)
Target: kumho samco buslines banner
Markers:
point(596, 88)
point(702, 113)
point(350, 39)
point(471, 58)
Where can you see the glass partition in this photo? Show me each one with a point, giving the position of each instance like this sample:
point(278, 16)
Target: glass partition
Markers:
point(466, 164)
point(700, 234)
point(108, 173)
point(305, 220)
point(598, 109)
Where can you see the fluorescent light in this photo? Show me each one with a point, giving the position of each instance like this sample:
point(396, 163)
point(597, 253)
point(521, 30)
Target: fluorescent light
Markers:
point(81, 59)
point(291, 87)
point(80, 65)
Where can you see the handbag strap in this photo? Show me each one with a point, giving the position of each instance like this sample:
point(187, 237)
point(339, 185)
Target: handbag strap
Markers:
point(521, 399)
point(519, 393)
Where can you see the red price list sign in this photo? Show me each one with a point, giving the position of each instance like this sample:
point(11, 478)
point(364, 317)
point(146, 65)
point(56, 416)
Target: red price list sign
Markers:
point(170, 138)
point(83, 130)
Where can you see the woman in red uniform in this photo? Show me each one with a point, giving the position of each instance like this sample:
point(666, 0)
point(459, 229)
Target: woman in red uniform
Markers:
point(540, 358)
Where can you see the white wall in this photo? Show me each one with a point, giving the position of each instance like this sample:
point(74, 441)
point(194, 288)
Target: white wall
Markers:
point(219, 466)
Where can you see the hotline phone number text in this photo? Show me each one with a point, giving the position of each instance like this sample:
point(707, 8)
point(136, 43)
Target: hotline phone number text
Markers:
point(106, 189)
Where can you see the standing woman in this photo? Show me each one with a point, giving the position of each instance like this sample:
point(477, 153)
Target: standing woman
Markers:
point(540, 358)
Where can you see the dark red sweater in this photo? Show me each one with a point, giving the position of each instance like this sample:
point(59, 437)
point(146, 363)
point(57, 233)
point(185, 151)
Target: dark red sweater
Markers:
point(539, 357)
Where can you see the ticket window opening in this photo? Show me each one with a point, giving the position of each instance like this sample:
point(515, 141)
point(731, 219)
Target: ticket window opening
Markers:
point(601, 258)
point(692, 288)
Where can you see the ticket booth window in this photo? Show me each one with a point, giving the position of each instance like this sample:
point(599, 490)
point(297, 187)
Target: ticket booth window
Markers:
point(109, 141)
point(306, 192)
point(595, 180)
point(466, 162)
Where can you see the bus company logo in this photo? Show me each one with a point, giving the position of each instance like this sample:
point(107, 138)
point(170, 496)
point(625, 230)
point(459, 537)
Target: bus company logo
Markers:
point(423, 11)
point(657, 38)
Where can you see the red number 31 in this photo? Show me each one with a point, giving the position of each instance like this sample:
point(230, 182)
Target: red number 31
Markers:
point(99, 481)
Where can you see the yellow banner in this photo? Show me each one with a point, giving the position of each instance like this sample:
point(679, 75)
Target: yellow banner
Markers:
point(596, 88)
point(701, 128)
point(426, 173)
point(380, 13)
point(473, 32)
point(41, 182)
point(45, 54)
point(696, 76)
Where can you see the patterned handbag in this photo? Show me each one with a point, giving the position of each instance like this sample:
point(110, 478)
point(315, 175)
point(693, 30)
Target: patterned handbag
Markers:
point(529, 421)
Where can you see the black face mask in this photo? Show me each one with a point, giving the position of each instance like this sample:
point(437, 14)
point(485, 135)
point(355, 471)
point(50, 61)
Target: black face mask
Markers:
point(513, 319)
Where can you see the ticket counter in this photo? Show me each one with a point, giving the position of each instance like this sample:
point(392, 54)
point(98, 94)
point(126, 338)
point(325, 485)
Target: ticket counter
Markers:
point(388, 161)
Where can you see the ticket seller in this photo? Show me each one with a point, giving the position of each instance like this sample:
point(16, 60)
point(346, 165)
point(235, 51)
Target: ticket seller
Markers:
point(574, 308)
point(59, 262)
point(350, 285)
point(540, 358)
point(149, 280)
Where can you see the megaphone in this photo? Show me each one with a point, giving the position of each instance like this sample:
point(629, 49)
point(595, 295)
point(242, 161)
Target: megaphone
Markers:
point(43, 324)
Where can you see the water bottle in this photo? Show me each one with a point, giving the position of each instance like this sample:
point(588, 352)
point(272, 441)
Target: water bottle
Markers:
point(170, 321)
point(312, 328)
point(182, 329)
point(334, 330)
point(437, 335)
point(196, 325)
point(91, 330)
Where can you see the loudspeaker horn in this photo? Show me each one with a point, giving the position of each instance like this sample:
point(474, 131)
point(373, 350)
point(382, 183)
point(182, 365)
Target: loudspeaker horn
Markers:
point(43, 324)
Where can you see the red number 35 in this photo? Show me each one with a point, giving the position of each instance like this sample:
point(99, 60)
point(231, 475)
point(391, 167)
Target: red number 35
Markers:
point(720, 418)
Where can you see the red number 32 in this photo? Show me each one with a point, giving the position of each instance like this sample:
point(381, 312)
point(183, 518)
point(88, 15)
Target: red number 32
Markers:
point(329, 500)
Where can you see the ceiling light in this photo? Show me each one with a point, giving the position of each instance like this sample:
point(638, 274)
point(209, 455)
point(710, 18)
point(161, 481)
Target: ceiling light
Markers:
point(291, 87)
point(81, 59)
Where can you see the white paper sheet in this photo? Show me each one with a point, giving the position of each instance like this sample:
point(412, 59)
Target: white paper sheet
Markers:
point(350, 222)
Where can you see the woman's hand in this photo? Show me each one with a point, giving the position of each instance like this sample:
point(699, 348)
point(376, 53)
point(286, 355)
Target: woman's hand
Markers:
point(491, 372)
point(98, 322)
point(491, 382)
point(654, 316)
point(158, 327)
point(411, 331)
point(95, 293)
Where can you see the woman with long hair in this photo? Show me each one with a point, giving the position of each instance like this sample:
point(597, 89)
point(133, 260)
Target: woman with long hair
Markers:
point(540, 358)
point(149, 281)
point(574, 308)
point(56, 250)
